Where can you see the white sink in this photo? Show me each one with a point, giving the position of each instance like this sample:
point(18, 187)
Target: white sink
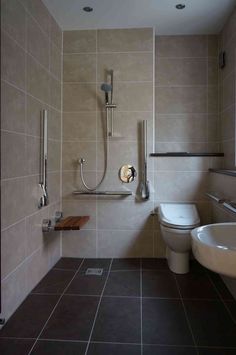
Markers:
point(214, 246)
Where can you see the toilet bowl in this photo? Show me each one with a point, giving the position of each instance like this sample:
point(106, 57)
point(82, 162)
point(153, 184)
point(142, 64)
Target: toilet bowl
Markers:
point(176, 221)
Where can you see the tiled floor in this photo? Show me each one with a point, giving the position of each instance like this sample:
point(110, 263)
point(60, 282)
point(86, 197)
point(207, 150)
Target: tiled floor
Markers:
point(137, 307)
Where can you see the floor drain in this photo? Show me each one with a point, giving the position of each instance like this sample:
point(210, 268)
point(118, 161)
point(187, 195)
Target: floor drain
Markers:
point(93, 271)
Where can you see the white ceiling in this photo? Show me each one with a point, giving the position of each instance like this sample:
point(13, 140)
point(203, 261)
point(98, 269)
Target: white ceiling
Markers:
point(198, 17)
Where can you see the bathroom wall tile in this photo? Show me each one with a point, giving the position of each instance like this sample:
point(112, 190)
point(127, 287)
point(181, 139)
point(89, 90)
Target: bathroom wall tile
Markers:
point(55, 61)
point(181, 46)
point(205, 212)
point(54, 187)
point(36, 267)
point(228, 92)
point(55, 33)
point(180, 128)
point(171, 100)
point(213, 71)
point(125, 40)
point(34, 236)
point(125, 243)
point(14, 20)
point(79, 97)
point(12, 109)
point(39, 11)
point(212, 99)
point(13, 155)
point(229, 151)
point(181, 147)
point(180, 186)
point(182, 164)
point(54, 124)
point(54, 155)
point(33, 192)
point(13, 62)
point(37, 42)
point(129, 215)
point(182, 71)
point(72, 151)
point(213, 44)
point(81, 208)
point(33, 155)
point(14, 290)
point(159, 245)
point(227, 118)
point(126, 66)
point(79, 126)
point(38, 80)
point(79, 244)
point(13, 238)
point(55, 93)
point(12, 208)
point(79, 41)
point(79, 68)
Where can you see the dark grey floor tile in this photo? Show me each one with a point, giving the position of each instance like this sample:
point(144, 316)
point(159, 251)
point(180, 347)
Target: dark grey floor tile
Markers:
point(125, 264)
point(168, 350)
point(211, 323)
point(96, 263)
point(68, 263)
point(15, 346)
point(154, 264)
point(164, 322)
point(44, 347)
point(123, 283)
point(219, 284)
point(87, 284)
point(113, 349)
point(118, 320)
point(219, 351)
point(196, 285)
point(72, 319)
point(54, 282)
point(195, 266)
point(30, 317)
point(231, 305)
point(159, 283)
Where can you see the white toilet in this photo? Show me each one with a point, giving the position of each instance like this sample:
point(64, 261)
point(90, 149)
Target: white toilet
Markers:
point(177, 220)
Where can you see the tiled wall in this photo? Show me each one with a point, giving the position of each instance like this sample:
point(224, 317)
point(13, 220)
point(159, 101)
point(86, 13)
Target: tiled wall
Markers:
point(118, 227)
point(31, 81)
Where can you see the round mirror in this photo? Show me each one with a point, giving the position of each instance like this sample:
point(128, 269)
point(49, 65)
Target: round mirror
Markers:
point(127, 173)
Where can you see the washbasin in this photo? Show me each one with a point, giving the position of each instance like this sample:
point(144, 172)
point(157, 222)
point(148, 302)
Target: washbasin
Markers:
point(214, 246)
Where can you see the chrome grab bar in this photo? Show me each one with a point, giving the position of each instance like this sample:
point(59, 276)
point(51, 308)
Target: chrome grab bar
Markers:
point(229, 205)
point(43, 161)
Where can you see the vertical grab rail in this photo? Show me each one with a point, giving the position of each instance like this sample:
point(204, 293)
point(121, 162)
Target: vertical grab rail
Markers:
point(43, 161)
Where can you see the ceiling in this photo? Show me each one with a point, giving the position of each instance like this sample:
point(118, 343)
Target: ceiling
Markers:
point(198, 17)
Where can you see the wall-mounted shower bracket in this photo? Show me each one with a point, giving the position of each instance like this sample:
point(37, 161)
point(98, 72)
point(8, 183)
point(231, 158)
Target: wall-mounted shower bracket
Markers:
point(48, 225)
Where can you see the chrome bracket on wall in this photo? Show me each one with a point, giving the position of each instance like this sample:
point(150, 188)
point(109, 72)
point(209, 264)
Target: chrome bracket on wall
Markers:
point(48, 224)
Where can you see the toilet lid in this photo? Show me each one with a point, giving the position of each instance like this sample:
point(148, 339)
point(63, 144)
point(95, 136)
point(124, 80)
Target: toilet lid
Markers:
point(178, 215)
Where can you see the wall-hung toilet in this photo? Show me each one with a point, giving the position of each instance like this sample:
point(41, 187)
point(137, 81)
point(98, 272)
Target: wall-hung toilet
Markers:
point(176, 221)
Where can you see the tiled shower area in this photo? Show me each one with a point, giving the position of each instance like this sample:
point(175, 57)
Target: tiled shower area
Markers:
point(106, 288)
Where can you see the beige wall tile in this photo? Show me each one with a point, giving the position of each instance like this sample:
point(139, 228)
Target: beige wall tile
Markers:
point(79, 41)
point(181, 100)
point(164, 147)
point(55, 61)
point(181, 46)
point(159, 245)
point(79, 126)
point(229, 151)
point(55, 33)
point(212, 99)
point(213, 71)
point(227, 118)
point(54, 124)
point(13, 238)
point(33, 118)
point(33, 155)
point(13, 62)
point(228, 93)
point(14, 20)
point(54, 187)
point(72, 151)
point(79, 97)
point(55, 93)
point(32, 194)
point(213, 44)
point(213, 123)
point(181, 71)
point(54, 155)
point(125, 40)
point(126, 66)
point(123, 244)
point(38, 80)
point(39, 11)
point(182, 164)
point(79, 244)
point(37, 42)
point(12, 109)
point(79, 68)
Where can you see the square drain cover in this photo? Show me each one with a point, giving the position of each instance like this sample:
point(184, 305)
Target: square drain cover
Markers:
point(93, 271)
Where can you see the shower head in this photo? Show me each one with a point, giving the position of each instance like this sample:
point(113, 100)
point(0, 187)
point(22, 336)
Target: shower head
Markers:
point(106, 88)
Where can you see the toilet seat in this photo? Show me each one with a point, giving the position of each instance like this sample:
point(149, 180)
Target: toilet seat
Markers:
point(179, 216)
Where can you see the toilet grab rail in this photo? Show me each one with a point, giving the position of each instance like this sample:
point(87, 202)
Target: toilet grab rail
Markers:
point(227, 204)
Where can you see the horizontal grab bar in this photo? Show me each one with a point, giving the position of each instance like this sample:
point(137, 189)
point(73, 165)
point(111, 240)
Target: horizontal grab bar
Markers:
point(229, 205)
point(109, 193)
point(215, 197)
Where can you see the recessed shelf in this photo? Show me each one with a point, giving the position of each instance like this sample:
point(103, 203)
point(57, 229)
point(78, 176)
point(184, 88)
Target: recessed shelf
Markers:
point(186, 154)
point(224, 172)
point(71, 223)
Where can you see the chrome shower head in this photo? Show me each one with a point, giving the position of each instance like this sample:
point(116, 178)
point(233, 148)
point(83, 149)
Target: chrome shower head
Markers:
point(106, 88)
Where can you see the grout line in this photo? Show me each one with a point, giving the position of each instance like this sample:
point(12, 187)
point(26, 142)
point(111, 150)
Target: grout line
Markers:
point(55, 307)
point(99, 53)
point(221, 298)
point(141, 306)
point(98, 306)
point(185, 312)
